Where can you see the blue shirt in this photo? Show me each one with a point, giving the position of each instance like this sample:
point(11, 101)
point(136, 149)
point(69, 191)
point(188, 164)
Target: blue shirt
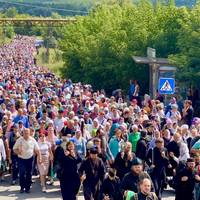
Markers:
point(24, 120)
point(115, 146)
point(81, 147)
point(131, 89)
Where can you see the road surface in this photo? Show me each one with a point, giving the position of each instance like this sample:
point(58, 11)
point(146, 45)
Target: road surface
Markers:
point(9, 192)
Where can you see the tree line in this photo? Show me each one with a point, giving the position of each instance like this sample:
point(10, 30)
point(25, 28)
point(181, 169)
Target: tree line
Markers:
point(98, 49)
point(68, 7)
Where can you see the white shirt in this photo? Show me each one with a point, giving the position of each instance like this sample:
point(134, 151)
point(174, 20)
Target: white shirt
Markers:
point(136, 92)
point(184, 152)
point(28, 147)
point(2, 150)
point(174, 116)
point(59, 123)
point(44, 148)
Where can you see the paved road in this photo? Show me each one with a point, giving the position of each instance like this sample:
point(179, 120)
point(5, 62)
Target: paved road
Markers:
point(8, 192)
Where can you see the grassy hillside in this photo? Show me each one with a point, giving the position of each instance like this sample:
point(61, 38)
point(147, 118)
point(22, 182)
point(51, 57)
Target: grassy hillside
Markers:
point(54, 63)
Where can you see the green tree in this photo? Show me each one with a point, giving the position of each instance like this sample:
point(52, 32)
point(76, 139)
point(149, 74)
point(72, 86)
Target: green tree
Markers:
point(11, 12)
point(98, 49)
point(187, 58)
point(8, 31)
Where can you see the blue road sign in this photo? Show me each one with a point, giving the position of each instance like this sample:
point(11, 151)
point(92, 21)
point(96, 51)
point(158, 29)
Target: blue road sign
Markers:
point(166, 85)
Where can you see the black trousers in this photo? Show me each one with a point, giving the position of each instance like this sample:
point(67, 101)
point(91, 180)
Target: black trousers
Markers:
point(25, 172)
point(69, 188)
point(158, 185)
point(91, 192)
point(183, 195)
point(15, 167)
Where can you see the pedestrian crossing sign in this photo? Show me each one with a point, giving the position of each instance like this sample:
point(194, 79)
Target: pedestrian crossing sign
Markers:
point(166, 85)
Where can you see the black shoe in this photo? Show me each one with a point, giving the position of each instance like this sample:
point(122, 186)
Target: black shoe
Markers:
point(27, 191)
point(21, 191)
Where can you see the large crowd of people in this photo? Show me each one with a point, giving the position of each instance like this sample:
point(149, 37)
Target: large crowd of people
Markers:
point(111, 148)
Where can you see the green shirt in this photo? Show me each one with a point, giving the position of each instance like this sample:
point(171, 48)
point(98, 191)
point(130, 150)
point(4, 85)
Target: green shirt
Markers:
point(94, 132)
point(133, 139)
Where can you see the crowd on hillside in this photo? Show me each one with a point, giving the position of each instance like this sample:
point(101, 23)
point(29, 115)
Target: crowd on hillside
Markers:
point(111, 148)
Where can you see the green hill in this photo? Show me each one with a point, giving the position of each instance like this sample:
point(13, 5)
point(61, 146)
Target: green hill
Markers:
point(64, 7)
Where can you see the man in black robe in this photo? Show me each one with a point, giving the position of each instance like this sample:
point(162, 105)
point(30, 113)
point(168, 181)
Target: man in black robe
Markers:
point(185, 181)
point(94, 171)
point(131, 179)
point(158, 163)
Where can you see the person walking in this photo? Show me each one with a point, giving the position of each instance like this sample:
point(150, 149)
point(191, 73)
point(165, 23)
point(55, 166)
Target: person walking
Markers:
point(158, 163)
point(188, 112)
point(133, 137)
point(110, 188)
point(80, 144)
point(142, 146)
point(14, 135)
point(46, 157)
point(123, 161)
point(185, 181)
point(2, 157)
point(131, 179)
point(25, 147)
point(69, 179)
point(94, 170)
point(116, 142)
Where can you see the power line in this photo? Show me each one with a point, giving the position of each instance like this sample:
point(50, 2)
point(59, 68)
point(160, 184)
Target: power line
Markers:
point(36, 6)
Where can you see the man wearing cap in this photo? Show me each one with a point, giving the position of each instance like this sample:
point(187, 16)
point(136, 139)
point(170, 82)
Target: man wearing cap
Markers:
point(59, 121)
point(131, 180)
point(20, 127)
point(94, 171)
point(185, 181)
point(158, 162)
point(21, 117)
